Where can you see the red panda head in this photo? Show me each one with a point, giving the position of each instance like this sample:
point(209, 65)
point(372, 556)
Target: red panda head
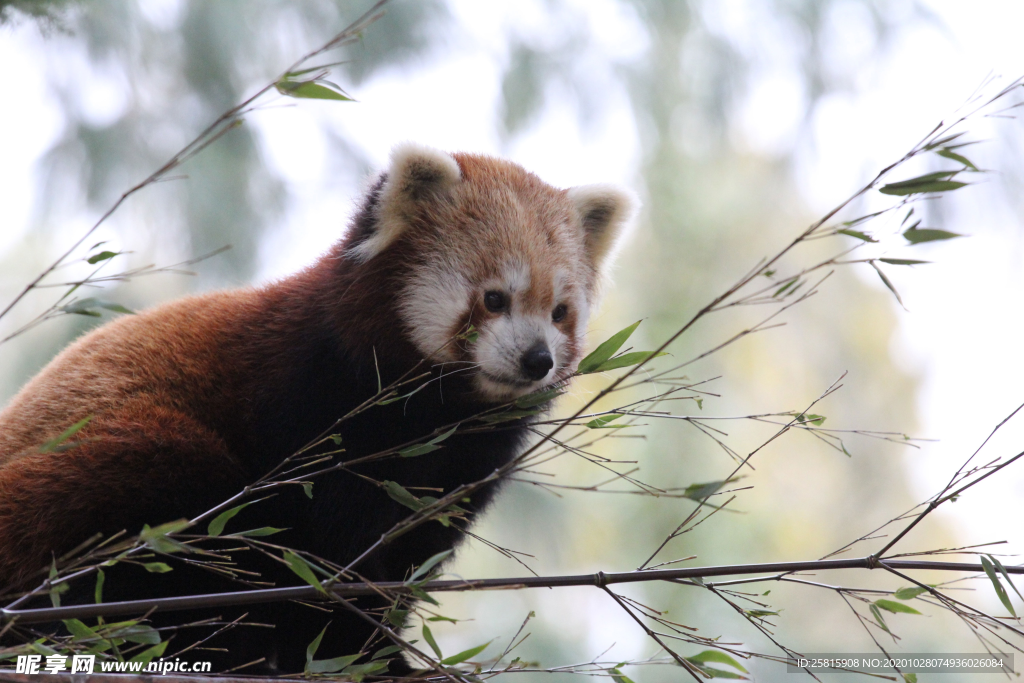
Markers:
point(499, 270)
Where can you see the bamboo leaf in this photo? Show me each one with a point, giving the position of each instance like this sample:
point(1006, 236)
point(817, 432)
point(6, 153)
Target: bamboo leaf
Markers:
point(929, 182)
point(950, 154)
point(909, 593)
point(990, 571)
point(151, 653)
point(465, 654)
point(357, 672)
point(385, 651)
point(895, 607)
point(316, 89)
point(878, 617)
point(102, 256)
point(157, 567)
point(262, 531)
point(97, 592)
point(902, 261)
point(858, 234)
point(314, 646)
point(399, 494)
point(716, 656)
point(886, 282)
point(539, 398)
point(1006, 574)
point(920, 235)
point(428, 565)
point(626, 360)
point(301, 567)
point(330, 666)
point(216, 527)
point(602, 422)
point(606, 350)
point(429, 637)
point(699, 492)
point(54, 443)
point(420, 449)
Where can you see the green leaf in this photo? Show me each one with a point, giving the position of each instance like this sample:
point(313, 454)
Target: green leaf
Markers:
point(385, 651)
point(943, 141)
point(156, 537)
point(97, 592)
point(789, 283)
point(308, 489)
point(151, 653)
point(301, 567)
point(902, 261)
point(868, 217)
point(317, 90)
point(950, 154)
point(429, 637)
point(399, 494)
point(79, 630)
point(930, 182)
point(358, 671)
point(428, 447)
point(216, 527)
point(878, 617)
point(1006, 574)
point(1000, 591)
point(262, 531)
point(396, 617)
point(330, 666)
point(314, 646)
point(760, 613)
point(606, 350)
point(421, 449)
point(618, 676)
point(920, 235)
point(909, 593)
point(465, 654)
point(89, 305)
point(54, 443)
point(895, 607)
point(538, 398)
point(137, 633)
point(716, 656)
point(627, 359)
point(157, 567)
point(602, 422)
point(508, 416)
point(699, 492)
point(910, 678)
point(887, 283)
point(810, 418)
point(858, 234)
point(428, 565)
point(102, 256)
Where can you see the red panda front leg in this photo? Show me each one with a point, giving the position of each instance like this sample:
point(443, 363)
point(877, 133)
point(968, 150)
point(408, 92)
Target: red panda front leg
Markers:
point(140, 463)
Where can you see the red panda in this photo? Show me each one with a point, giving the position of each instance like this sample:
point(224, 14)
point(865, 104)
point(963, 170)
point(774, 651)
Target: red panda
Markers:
point(195, 399)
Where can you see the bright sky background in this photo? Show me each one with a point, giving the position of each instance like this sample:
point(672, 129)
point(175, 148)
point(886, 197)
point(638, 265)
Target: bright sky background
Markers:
point(964, 327)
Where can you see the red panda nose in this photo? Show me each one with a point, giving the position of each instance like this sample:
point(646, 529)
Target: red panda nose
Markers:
point(537, 361)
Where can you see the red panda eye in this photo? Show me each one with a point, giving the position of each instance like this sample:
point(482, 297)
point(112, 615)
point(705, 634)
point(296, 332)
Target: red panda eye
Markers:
point(495, 302)
point(558, 315)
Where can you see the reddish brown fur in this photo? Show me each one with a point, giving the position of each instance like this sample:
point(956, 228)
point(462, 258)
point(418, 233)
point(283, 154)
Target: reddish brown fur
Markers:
point(194, 399)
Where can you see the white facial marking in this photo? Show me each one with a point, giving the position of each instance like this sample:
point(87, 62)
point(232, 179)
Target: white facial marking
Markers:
point(432, 304)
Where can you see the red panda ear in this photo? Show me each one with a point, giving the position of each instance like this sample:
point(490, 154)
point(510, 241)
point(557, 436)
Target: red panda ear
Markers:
point(605, 212)
point(416, 173)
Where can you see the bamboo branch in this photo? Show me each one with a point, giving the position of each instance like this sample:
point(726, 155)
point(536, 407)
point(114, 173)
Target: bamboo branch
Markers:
point(347, 590)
